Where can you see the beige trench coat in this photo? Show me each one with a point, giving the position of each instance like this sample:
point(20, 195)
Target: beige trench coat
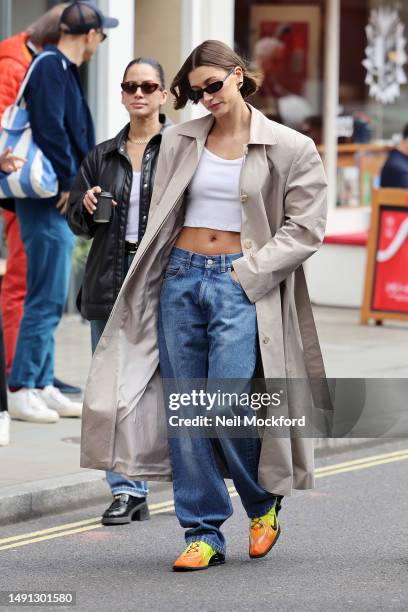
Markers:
point(283, 202)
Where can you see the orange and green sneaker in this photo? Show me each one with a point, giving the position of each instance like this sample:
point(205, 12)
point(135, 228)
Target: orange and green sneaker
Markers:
point(263, 533)
point(198, 556)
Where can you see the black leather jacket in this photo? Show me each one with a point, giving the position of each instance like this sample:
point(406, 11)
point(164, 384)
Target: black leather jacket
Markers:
point(109, 166)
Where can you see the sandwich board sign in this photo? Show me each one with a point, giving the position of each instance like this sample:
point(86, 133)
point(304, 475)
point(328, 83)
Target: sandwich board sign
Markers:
point(386, 282)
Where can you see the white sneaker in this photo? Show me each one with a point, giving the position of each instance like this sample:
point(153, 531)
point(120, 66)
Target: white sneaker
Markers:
point(27, 405)
point(60, 403)
point(4, 428)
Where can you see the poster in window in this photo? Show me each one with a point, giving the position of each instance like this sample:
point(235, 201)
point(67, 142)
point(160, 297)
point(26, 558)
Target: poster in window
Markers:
point(285, 49)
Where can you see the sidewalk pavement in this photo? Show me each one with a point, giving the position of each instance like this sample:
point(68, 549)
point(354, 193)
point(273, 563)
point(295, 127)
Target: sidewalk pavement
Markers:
point(40, 468)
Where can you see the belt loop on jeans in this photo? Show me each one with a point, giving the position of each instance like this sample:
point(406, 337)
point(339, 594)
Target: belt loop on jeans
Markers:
point(222, 263)
point(188, 259)
point(131, 247)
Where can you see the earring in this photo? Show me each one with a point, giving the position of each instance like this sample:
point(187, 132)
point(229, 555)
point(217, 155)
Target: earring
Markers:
point(240, 84)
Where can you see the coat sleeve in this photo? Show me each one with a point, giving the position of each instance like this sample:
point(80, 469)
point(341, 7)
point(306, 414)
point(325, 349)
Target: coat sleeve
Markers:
point(79, 219)
point(301, 234)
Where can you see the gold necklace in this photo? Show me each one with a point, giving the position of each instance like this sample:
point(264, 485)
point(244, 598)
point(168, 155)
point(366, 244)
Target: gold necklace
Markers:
point(139, 142)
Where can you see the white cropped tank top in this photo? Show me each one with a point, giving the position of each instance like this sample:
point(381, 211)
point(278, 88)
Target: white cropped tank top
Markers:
point(213, 194)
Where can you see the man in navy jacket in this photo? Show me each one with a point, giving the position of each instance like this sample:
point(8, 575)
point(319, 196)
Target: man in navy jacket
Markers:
point(62, 127)
point(395, 170)
point(59, 115)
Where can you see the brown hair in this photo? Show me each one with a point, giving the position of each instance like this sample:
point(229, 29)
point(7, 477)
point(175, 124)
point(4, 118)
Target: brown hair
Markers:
point(151, 62)
point(211, 53)
point(46, 29)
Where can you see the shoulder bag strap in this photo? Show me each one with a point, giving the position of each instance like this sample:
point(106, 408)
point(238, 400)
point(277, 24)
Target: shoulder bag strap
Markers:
point(29, 73)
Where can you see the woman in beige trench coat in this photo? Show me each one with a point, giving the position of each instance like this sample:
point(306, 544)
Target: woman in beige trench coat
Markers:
point(282, 191)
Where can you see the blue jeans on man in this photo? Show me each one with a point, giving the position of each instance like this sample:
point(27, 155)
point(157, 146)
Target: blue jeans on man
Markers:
point(48, 243)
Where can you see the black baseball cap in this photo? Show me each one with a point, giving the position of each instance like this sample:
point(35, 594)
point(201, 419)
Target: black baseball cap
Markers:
point(80, 17)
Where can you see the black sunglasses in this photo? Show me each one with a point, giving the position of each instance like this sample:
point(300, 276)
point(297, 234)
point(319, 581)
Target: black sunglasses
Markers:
point(147, 87)
point(196, 94)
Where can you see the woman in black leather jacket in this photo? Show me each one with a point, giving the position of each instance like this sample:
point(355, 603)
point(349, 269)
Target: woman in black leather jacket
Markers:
point(125, 167)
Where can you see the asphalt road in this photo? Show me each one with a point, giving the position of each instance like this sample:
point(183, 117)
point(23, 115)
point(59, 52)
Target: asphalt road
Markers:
point(343, 546)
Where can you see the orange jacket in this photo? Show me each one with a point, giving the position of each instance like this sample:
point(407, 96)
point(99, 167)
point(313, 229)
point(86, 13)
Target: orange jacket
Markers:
point(15, 58)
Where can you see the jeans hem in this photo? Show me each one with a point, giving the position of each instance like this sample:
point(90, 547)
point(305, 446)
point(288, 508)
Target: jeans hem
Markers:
point(132, 492)
point(11, 383)
point(266, 510)
point(43, 384)
point(207, 540)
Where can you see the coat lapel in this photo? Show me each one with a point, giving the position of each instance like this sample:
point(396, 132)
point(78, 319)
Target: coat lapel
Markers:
point(260, 128)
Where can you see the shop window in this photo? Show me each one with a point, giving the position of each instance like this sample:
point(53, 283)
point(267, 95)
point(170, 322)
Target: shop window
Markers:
point(377, 125)
point(383, 120)
point(283, 41)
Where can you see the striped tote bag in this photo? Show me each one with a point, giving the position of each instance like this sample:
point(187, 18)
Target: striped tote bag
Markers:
point(37, 178)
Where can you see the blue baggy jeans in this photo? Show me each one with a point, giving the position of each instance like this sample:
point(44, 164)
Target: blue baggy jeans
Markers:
point(48, 243)
point(207, 330)
point(118, 484)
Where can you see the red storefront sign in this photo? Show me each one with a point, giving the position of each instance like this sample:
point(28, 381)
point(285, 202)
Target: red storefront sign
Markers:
point(390, 282)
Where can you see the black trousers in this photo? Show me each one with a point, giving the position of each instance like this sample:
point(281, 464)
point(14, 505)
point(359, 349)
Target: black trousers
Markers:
point(3, 384)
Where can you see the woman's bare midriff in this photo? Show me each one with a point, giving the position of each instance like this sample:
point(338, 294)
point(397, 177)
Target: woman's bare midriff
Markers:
point(209, 241)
